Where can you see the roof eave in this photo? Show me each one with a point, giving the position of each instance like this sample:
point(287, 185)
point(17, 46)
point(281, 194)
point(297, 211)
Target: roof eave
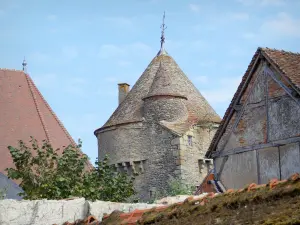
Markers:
point(114, 125)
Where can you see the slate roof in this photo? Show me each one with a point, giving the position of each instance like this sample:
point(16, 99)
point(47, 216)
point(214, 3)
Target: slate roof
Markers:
point(169, 79)
point(23, 113)
point(287, 63)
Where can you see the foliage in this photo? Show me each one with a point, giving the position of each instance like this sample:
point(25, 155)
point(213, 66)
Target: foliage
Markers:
point(174, 187)
point(178, 187)
point(46, 174)
point(3, 192)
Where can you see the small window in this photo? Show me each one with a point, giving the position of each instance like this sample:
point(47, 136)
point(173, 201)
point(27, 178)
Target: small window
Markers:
point(190, 140)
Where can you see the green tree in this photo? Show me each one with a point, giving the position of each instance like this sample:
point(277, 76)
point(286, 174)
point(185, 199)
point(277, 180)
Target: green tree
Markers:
point(3, 192)
point(45, 174)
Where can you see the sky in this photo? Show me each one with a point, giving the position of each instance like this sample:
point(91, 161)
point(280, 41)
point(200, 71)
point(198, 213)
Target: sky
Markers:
point(78, 51)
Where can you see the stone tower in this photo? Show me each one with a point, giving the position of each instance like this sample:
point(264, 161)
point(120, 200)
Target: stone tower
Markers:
point(162, 128)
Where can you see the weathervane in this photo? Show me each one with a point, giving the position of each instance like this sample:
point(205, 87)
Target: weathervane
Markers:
point(162, 38)
point(24, 64)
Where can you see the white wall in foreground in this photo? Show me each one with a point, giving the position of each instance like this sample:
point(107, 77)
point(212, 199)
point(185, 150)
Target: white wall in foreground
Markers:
point(49, 212)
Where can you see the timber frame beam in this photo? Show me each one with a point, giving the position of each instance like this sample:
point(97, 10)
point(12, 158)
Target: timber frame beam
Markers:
point(256, 147)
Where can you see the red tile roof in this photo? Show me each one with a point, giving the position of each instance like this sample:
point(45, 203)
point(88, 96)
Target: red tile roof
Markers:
point(24, 113)
point(204, 208)
point(234, 201)
point(287, 63)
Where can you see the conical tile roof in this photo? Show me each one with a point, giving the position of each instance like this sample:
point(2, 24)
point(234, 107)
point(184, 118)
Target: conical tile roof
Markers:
point(131, 109)
point(163, 84)
point(24, 113)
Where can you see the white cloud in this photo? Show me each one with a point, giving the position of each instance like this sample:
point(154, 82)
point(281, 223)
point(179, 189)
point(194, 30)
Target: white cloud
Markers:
point(111, 79)
point(262, 2)
point(70, 85)
point(109, 51)
point(248, 35)
point(239, 16)
point(207, 63)
point(53, 30)
point(38, 57)
point(194, 45)
point(201, 79)
point(120, 21)
point(122, 51)
point(272, 2)
point(69, 52)
point(108, 93)
point(222, 91)
point(237, 51)
point(194, 7)
point(76, 86)
point(282, 25)
point(124, 63)
point(52, 17)
point(45, 80)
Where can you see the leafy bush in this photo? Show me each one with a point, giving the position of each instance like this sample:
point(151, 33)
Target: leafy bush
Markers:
point(178, 187)
point(3, 192)
point(174, 187)
point(45, 174)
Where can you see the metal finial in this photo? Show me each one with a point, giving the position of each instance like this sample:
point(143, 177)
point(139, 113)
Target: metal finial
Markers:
point(162, 38)
point(24, 64)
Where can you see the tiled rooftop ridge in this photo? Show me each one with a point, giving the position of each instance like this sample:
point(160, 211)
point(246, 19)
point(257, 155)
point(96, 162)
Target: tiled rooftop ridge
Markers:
point(253, 192)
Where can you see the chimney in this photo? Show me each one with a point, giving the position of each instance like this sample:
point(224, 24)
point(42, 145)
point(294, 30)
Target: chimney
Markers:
point(123, 91)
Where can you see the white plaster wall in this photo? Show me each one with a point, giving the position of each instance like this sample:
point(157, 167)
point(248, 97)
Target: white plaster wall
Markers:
point(41, 212)
point(49, 212)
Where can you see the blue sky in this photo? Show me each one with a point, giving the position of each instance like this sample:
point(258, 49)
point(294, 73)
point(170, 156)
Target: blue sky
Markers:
point(77, 51)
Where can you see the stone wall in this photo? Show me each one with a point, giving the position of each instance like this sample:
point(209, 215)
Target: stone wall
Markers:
point(142, 147)
point(156, 155)
point(49, 212)
point(192, 147)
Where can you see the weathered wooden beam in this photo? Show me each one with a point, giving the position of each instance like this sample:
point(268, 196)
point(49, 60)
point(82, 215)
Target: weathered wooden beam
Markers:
point(275, 67)
point(267, 106)
point(255, 105)
point(241, 112)
point(255, 147)
point(287, 90)
point(220, 134)
point(237, 107)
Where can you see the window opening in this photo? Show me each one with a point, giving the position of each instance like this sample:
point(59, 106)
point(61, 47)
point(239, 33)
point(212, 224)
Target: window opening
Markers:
point(190, 140)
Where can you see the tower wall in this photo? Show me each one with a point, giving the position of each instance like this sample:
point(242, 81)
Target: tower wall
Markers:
point(146, 148)
point(156, 155)
point(166, 108)
point(192, 148)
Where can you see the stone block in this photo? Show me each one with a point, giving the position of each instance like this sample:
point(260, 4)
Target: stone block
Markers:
point(42, 212)
point(175, 141)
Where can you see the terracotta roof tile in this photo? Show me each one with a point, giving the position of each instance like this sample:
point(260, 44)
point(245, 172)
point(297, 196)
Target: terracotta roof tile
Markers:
point(24, 113)
point(287, 63)
point(252, 194)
